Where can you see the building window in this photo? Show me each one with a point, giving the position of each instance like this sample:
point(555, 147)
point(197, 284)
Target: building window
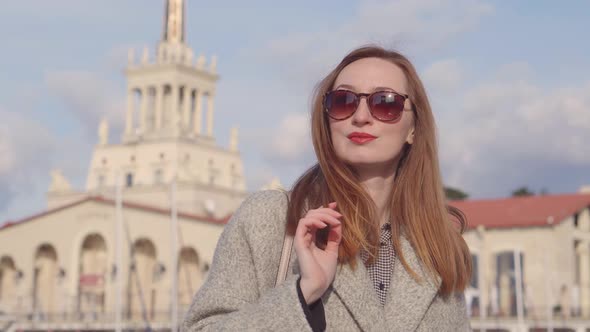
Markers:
point(129, 180)
point(100, 181)
point(506, 292)
point(161, 155)
point(132, 158)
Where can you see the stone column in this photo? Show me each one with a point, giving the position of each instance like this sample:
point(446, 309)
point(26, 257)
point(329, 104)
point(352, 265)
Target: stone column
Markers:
point(158, 107)
point(8, 287)
point(583, 252)
point(174, 96)
point(197, 116)
point(144, 105)
point(187, 101)
point(130, 111)
point(210, 115)
point(483, 272)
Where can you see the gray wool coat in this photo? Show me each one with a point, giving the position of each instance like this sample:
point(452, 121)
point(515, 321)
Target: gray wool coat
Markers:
point(239, 293)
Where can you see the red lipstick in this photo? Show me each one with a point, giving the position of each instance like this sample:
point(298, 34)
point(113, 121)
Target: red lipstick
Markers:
point(360, 138)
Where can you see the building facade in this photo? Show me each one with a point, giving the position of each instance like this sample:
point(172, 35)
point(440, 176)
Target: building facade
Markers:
point(531, 261)
point(170, 98)
point(59, 268)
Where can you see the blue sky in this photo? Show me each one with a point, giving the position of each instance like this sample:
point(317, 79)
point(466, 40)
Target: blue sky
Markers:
point(509, 83)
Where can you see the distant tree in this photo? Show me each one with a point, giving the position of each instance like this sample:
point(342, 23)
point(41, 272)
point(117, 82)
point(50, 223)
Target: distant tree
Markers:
point(522, 191)
point(544, 191)
point(455, 194)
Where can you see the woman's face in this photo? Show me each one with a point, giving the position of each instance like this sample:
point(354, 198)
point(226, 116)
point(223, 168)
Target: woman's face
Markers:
point(366, 76)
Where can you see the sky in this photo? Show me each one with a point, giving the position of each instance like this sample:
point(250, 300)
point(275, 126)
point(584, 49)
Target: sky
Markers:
point(509, 83)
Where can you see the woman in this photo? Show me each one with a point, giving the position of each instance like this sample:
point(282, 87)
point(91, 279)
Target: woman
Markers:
point(376, 248)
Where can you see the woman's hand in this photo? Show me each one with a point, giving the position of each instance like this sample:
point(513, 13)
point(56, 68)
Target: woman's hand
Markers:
point(318, 267)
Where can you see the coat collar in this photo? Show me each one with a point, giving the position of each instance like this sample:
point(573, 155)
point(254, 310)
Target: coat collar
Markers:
point(407, 300)
point(355, 290)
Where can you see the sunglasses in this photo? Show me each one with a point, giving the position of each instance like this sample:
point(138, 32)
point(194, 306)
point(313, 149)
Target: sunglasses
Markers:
point(386, 106)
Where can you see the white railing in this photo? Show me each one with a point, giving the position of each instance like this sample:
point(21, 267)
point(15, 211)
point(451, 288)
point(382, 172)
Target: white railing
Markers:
point(160, 321)
point(89, 321)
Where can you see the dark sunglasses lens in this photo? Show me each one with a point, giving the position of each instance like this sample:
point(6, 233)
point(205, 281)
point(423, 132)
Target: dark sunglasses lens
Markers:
point(341, 104)
point(386, 106)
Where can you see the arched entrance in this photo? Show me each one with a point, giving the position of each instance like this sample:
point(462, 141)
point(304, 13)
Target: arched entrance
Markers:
point(7, 283)
point(190, 276)
point(142, 292)
point(93, 272)
point(45, 280)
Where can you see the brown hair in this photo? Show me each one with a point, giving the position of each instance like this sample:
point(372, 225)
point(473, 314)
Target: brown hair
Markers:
point(417, 201)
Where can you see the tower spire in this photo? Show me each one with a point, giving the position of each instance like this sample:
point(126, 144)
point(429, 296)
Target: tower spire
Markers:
point(174, 22)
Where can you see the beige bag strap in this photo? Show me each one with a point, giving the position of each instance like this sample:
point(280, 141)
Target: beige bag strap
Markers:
point(285, 258)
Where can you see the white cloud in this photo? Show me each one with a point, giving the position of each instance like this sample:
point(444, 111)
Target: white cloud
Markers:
point(67, 10)
point(88, 96)
point(7, 152)
point(507, 132)
point(292, 139)
point(22, 141)
point(414, 27)
point(443, 76)
point(26, 149)
point(30, 150)
point(418, 24)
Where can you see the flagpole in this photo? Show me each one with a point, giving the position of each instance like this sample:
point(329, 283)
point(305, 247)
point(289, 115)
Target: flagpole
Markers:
point(118, 252)
point(174, 249)
point(482, 274)
point(548, 297)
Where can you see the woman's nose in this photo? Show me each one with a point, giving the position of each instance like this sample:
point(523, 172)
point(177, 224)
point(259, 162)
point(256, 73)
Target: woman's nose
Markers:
point(362, 115)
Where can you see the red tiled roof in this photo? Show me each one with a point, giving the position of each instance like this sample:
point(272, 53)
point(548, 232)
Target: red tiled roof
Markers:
point(529, 211)
point(126, 204)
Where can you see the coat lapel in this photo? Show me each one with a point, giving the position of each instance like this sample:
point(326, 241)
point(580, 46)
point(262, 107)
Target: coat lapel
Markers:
point(356, 292)
point(408, 299)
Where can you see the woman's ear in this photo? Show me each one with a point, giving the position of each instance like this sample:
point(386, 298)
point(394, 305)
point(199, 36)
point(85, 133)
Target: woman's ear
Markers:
point(410, 138)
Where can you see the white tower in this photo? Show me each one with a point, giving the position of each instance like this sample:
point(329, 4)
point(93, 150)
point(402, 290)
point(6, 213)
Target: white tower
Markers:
point(166, 96)
point(170, 98)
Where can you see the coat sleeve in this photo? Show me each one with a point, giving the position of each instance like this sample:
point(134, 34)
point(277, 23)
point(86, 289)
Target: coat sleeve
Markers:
point(230, 299)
